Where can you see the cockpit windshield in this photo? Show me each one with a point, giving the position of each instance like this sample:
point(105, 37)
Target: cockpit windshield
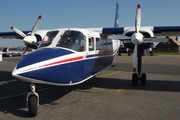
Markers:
point(74, 40)
point(47, 40)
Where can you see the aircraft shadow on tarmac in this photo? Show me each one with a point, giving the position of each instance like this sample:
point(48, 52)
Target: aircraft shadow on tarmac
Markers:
point(13, 92)
point(13, 95)
point(152, 85)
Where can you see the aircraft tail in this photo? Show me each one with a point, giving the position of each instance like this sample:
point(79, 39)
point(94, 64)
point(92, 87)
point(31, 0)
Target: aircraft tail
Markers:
point(116, 22)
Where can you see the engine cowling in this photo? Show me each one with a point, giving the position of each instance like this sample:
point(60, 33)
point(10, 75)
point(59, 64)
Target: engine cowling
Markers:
point(39, 35)
point(145, 31)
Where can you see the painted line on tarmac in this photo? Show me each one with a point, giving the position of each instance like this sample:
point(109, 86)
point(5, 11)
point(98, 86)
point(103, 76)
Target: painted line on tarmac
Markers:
point(16, 95)
point(108, 90)
point(109, 74)
point(103, 89)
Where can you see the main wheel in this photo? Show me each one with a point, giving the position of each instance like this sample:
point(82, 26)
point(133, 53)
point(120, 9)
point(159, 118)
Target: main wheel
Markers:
point(135, 78)
point(143, 79)
point(32, 105)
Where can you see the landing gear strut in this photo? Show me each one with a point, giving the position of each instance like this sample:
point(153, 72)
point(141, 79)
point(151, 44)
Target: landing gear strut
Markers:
point(139, 76)
point(32, 100)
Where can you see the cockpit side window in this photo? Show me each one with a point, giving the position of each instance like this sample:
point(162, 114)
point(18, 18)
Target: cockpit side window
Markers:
point(48, 38)
point(72, 40)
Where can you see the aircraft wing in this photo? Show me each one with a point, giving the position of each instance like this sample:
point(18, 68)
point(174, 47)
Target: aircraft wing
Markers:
point(156, 30)
point(166, 30)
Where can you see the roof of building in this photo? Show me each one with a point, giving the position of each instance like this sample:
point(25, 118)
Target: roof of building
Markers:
point(174, 40)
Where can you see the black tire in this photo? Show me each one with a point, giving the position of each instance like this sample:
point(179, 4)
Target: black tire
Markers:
point(135, 78)
point(32, 105)
point(143, 79)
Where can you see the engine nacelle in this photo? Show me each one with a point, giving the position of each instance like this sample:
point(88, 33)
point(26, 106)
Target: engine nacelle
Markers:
point(38, 36)
point(145, 31)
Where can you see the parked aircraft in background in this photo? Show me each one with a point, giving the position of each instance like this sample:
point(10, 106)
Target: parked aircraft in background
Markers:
point(70, 56)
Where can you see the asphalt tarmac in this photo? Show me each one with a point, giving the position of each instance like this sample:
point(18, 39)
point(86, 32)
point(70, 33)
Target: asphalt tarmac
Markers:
point(109, 96)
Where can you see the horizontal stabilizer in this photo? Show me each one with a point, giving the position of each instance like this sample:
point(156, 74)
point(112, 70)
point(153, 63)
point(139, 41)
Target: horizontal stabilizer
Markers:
point(155, 39)
point(150, 39)
point(119, 37)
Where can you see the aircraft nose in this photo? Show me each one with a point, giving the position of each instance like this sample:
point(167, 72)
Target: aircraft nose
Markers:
point(41, 55)
point(30, 66)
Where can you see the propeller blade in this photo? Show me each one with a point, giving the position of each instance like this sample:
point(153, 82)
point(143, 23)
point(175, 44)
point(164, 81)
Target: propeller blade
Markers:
point(135, 58)
point(18, 32)
point(34, 29)
point(138, 18)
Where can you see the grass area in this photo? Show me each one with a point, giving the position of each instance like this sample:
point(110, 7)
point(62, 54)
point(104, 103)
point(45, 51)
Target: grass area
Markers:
point(166, 53)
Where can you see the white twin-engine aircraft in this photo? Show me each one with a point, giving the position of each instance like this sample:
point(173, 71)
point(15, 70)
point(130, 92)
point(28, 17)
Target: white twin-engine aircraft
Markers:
point(70, 56)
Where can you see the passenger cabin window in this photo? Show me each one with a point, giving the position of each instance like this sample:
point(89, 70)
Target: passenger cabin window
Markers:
point(91, 43)
point(74, 40)
point(105, 44)
point(109, 44)
point(47, 40)
point(99, 44)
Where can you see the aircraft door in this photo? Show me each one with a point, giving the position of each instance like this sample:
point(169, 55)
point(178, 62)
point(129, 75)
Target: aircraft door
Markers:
point(91, 45)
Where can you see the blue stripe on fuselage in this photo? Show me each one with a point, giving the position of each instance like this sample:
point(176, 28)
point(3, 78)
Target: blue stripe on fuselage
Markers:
point(42, 55)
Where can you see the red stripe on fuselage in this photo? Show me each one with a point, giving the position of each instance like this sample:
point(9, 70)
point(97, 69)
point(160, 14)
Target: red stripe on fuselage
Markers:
point(58, 62)
point(62, 61)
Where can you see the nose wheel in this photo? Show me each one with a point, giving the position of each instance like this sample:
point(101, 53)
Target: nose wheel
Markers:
point(32, 99)
point(136, 78)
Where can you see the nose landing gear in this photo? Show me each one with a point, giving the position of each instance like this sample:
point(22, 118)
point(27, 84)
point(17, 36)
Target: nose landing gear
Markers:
point(32, 100)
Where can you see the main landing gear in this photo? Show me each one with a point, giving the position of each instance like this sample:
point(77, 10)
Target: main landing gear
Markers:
point(138, 75)
point(32, 100)
point(136, 78)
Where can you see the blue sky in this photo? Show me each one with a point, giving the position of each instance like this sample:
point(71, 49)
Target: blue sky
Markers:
point(83, 13)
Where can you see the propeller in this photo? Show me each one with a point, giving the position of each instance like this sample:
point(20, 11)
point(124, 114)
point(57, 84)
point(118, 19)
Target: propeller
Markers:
point(137, 37)
point(29, 39)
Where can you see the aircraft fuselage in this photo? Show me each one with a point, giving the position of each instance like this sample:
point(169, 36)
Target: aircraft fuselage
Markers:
point(67, 57)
